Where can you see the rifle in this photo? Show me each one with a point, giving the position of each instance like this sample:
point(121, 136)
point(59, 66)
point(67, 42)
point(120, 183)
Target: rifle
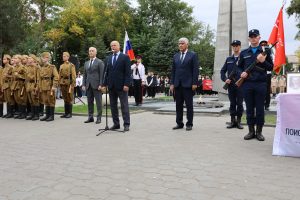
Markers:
point(231, 77)
point(253, 65)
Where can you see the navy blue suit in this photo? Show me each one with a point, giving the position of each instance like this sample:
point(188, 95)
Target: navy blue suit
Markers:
point(255, 86)
point(184, 75)
point(117, 76)
point(234, 93)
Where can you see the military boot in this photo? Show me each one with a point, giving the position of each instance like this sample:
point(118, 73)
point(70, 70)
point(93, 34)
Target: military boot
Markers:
point(36, 113)
point(1, 110)
point(259, 135)
point(238, 123)
point(23, 112)
point(31, 114)
point(251, 133)
point(41, 110)
point(51, 116)
point(10, 110)
point(69, 114)
point(232, 122)
point(47, 114)
point(66, 111)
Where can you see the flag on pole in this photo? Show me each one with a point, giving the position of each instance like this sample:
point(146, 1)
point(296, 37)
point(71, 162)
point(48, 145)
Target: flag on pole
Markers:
point(277, 34)
point(128, 48)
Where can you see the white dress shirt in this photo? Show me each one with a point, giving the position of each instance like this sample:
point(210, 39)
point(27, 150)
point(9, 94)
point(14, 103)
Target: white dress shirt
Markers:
point(141, 71)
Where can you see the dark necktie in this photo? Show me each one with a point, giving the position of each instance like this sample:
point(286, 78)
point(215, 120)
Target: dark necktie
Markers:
point(115, 59)
point(181, 58)
point(136, 71)
point(91, 63)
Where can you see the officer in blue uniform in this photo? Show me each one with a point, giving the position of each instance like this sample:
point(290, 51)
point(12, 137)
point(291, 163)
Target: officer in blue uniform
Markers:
point(234, 93)
point(255, 85)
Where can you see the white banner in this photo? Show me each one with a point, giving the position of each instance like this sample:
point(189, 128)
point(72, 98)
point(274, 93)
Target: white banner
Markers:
point(287, 132)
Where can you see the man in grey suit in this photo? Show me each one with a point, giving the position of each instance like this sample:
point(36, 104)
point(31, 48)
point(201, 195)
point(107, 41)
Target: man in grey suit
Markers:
point(92, 81)
point(118, 78)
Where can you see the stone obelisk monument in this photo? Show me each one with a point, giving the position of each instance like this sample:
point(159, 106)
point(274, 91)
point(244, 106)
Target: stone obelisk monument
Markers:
point(232, 25)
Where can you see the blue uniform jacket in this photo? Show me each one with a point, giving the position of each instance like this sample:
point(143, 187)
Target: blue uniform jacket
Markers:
point(185, 73)
point(229, 65)
point(247, 57)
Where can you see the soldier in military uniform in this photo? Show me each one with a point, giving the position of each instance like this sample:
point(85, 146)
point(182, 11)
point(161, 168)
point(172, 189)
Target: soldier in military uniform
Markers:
point(1, 92)
point(18, 86)
point(255, 85)
point(32, 86)
point(6, 86)
point(48, 86)
point(67, 81)
point(234, 93)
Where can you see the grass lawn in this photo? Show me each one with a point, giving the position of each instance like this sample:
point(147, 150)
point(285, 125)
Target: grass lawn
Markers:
point(83, 109)
point(269, 119)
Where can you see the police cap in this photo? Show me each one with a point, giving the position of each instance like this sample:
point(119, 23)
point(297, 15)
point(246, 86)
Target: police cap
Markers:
point(235, 43)
point(253, 32)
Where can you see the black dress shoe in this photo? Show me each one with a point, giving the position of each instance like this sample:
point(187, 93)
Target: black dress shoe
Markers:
point(126, 128)
point(177, 127)
point(98, 121)
point(89, 120)
point(189, 128)
point(114, 127)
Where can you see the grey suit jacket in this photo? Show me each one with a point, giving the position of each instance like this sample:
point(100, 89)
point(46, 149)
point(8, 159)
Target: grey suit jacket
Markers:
point(93, 76)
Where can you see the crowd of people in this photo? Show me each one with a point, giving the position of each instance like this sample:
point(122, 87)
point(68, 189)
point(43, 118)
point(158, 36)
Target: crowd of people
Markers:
point(29, 84)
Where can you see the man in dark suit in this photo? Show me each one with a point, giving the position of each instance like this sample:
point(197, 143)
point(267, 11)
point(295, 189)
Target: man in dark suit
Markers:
point(185, 71)
point(92, 81)
point(117, 79)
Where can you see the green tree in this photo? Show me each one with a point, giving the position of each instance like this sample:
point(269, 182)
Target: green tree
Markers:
point(163, 50)
point(203, 45)
point(294, 8)
point(14, 17)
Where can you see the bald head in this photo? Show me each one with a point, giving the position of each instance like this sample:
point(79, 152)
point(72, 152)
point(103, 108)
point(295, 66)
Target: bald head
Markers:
point(115, 46)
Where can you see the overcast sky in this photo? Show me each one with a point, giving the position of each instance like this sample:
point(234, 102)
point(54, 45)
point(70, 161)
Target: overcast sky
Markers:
point(261, 15)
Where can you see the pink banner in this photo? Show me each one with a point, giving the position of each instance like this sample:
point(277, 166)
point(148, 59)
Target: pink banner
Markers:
point(287, 132)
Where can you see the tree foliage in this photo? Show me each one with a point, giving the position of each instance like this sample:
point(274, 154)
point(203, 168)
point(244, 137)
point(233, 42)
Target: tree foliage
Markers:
point(154, 27)
point(294, 8)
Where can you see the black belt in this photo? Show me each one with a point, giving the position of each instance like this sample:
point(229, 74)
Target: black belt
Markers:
point(46, 78)
point(31, 81)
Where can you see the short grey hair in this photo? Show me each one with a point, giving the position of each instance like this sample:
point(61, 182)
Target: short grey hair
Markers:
point(183, 39)
point(93, 49)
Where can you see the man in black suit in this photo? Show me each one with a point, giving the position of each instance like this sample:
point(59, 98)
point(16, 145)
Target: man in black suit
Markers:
point(185, 71)
point(92, 81)
point(117, 79)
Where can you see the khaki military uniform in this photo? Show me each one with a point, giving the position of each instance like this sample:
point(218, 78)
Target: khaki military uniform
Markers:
point(1, 93)
point(282, 84)
point(6, 84)
point(67, 81)
point(32, 84)
point(48, 79)
point(18, 85)
point(274, 85)
point(1, 82)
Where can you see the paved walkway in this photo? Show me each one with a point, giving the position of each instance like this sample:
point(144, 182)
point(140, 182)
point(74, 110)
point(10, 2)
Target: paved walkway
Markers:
point(64, 160)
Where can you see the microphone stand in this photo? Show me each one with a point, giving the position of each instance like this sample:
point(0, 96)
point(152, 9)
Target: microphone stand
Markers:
point(102, 130)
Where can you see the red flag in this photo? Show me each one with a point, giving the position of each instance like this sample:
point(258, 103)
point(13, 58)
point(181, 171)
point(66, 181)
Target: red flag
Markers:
point(278, 35)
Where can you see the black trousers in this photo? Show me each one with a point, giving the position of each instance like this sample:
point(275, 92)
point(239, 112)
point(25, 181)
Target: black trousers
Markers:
point(113, 97)
point(137, 86)
point(268, 97)
point(235, 95)
point(254, 95)
point(184, 95)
